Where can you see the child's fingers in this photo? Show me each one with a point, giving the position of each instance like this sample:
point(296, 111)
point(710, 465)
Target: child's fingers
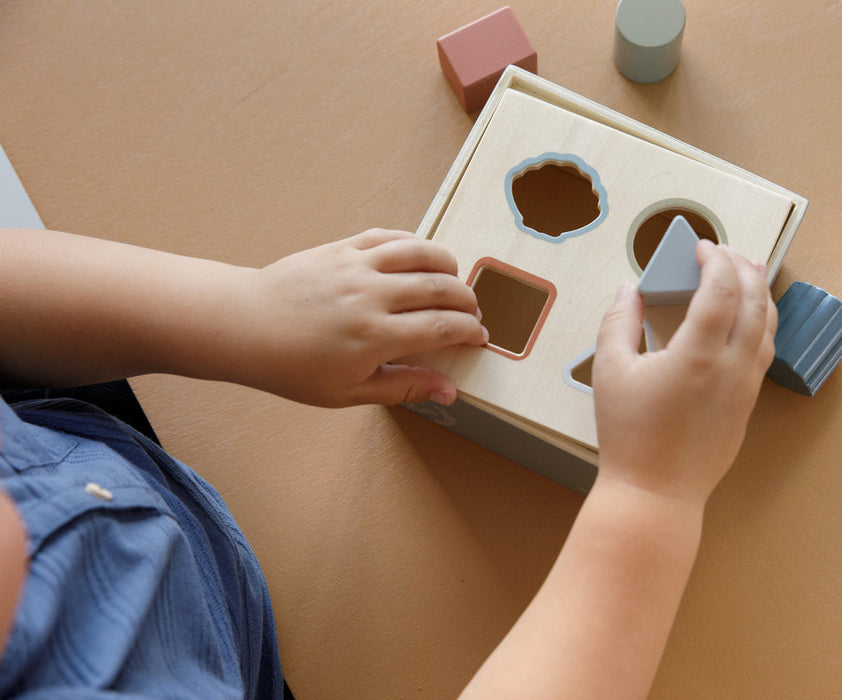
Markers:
point(772, 320)
point(713, 308)
point(431, 329)
point(393, 384)
point(751, 320)
point(411, 291)
point(412, 255)
point(767, 346)
point(621, 326)
point(377, 236)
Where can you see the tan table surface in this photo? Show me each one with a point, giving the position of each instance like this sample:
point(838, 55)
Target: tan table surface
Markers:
point(397, 553)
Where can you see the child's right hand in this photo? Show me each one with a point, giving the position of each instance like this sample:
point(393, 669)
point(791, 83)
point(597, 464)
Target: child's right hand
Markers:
point(673, 421)
point(327, 322)
point(322, 326)
point(670, 424)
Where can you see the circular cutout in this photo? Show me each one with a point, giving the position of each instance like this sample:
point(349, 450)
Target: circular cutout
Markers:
point(649, 228)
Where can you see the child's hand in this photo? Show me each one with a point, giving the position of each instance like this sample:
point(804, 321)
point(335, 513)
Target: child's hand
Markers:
point(331, 318)
point(673, 421)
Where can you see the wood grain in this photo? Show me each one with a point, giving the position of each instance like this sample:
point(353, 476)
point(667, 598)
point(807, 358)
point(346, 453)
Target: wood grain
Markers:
point(638, 176)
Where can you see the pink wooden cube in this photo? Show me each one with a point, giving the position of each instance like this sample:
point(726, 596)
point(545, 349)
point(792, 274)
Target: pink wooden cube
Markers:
point(474, 57)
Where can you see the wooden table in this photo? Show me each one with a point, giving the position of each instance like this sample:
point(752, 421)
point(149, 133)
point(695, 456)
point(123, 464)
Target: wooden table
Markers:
point(397, 553)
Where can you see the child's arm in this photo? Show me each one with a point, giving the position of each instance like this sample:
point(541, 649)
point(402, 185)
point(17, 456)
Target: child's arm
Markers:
point(670, 424)
point(12, 564)
point(319, 326)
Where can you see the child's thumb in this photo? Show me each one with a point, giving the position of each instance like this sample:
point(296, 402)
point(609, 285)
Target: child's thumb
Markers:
point(619, 332)
point(393, 384)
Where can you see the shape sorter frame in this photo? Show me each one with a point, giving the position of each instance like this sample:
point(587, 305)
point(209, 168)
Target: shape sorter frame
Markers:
point(527, 407)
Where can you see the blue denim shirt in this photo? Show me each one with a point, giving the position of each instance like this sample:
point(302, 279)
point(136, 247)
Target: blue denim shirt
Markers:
point(139, 581)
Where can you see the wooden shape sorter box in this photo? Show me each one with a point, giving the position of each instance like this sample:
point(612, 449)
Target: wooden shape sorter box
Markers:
point(520, 400)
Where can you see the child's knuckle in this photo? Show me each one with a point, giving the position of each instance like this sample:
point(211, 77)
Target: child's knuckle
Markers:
point(444, 328)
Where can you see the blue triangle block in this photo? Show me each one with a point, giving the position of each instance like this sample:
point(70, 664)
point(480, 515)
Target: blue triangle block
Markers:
point(672, 274)
point(16, 210)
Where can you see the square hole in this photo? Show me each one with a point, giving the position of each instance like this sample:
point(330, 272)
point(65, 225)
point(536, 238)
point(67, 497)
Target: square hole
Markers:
point(514, 305)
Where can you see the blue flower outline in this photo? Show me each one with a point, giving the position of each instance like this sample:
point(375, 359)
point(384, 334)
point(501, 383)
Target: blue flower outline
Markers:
point(559, 159)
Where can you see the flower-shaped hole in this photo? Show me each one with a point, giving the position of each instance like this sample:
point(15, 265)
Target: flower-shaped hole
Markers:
point(556, 196)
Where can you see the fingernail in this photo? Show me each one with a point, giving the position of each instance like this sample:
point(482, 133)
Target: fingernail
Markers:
point(623, 291)
point(706, 242)
point(479, 314)
point(440, 398)
point(760, 267)
point(485, 335)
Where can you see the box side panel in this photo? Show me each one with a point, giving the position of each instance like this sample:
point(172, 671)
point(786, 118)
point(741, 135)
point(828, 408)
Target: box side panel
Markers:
point(511, 442)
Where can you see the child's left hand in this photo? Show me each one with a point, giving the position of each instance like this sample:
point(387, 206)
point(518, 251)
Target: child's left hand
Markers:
point(329, 320)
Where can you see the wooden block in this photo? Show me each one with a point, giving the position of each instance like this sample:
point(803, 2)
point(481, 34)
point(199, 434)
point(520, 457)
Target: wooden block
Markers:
point(474, 56)
point(808, 343)
point(672, 274)
point(16, 210)
point(647, 38)
point(624, 173)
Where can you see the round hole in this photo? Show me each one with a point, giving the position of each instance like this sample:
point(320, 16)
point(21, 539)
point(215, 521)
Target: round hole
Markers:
point(653, 224)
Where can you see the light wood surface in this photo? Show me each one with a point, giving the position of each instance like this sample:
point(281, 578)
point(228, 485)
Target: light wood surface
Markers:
point(633, 176)
point(397, 553)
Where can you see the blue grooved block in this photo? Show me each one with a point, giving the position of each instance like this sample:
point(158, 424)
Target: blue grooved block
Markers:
point(808, 344)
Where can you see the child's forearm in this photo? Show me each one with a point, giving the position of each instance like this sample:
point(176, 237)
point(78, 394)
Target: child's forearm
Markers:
point(13, 564)
point(598, 625)
point(79, 310)
point(320, 326)
point(670, 424)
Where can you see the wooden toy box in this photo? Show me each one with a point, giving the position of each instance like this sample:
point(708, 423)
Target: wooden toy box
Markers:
point(552, 202)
